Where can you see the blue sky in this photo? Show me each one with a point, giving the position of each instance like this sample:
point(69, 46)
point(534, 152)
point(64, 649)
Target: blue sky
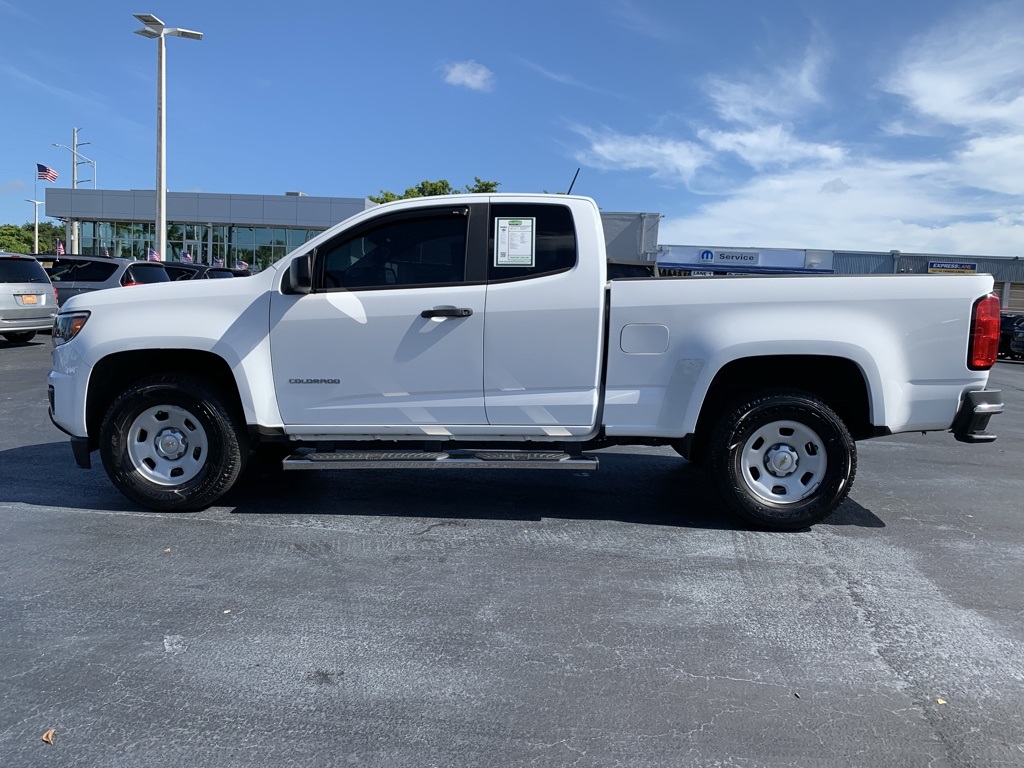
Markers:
point(870, 125)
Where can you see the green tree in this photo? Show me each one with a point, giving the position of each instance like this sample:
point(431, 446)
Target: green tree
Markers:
point(49, 233)
point(440, 187)
point(21, 239)
point(14, 239)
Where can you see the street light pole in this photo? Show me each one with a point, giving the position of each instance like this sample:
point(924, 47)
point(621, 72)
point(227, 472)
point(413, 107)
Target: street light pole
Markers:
point(76, 160)
point(35, 207)
point(154, 28)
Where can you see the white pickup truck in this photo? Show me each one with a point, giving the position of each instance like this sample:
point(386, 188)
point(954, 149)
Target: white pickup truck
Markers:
point(482, 331)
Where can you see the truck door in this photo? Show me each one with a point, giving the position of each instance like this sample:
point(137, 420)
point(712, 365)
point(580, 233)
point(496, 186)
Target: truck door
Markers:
point(390, 341)
point(545, 316)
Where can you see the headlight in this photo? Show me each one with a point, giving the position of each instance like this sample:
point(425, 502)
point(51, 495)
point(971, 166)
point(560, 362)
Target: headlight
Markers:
point(66, 327)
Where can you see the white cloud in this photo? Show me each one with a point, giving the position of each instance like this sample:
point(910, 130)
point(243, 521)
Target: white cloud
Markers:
point(993, 163)
point(962, 193)
point(13, 11)
point(636, 20)
point(835, 186)
point(771, 145)
point(881, 206)
point(468, 74)
point(561, 77)
point(666, 158)
point(967, 72)
point(784, 92)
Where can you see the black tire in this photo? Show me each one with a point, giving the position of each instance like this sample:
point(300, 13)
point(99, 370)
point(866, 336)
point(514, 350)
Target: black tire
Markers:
point(20, 337)
point(202, 450)
point(782, 460)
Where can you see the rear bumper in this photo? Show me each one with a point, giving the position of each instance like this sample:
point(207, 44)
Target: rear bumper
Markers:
point(971, 422)
point(21, 324)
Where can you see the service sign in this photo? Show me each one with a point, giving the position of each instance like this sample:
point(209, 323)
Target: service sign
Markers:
point(732, 258)
point(952, 267)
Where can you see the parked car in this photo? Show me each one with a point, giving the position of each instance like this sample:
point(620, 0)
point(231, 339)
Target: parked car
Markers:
point(1007, 325)
point(28, 301)
point(73, 275)
point(1017, 342)
point(181, 270)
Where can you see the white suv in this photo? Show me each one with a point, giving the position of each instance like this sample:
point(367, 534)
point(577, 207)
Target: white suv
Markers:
point(28, 301)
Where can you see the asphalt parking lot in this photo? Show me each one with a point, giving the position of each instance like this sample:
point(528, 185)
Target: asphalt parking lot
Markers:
point(614, 618)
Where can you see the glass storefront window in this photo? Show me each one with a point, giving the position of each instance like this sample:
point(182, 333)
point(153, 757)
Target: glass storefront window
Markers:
point(258, 246)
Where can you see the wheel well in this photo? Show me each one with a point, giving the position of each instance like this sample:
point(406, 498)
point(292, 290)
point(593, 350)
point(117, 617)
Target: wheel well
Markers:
point(114, 373)
point(838, 382)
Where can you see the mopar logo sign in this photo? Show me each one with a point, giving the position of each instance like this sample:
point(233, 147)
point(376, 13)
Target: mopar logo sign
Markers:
point(707, 255)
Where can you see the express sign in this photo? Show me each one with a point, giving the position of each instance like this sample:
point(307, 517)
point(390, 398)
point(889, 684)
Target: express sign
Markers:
point(953, 267)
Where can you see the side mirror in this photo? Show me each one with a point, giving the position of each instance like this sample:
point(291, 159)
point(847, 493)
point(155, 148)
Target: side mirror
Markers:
point(299, 278)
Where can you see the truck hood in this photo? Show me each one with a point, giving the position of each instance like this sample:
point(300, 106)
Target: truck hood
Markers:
point(162, 295)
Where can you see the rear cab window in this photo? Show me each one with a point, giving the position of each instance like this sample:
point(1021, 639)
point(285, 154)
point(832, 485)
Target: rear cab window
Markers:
point(528, 240)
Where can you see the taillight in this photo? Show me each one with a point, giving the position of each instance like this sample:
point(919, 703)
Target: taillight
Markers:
point(984, 343)
point(130, 282)
point(56, 296)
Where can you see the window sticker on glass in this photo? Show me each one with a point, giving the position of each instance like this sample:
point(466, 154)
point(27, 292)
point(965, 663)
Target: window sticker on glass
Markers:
point(515, 243)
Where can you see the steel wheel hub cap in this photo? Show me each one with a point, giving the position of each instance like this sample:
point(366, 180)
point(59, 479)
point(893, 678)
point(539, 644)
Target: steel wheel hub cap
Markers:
point(781, 460)
point(171, 444)
point(167, 445)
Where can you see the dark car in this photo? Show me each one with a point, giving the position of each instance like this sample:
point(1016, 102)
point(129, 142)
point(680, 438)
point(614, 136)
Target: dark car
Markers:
point(184, 270)
point(72, 275)
point(28, 301)
point(1007, 325)
point(1017, 342)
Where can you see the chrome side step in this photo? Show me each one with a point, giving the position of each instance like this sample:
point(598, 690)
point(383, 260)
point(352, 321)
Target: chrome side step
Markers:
point(454, 459)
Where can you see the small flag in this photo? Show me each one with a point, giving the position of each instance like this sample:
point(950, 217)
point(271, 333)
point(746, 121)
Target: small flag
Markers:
point(152, 255)
point(186, 258)
point(60, 248)
point(239, 264)
point(45, 173)
point(106, 252)
point(218, 262)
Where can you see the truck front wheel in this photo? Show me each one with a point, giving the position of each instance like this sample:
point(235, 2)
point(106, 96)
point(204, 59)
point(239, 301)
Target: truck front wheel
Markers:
point(172, 442)
point(782, 460)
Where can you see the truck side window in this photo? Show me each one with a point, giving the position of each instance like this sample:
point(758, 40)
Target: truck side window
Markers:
point(554, 248)
point(422, 249)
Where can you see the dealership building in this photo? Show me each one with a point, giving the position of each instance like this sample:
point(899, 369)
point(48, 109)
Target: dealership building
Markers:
point(260, 229)
point(257, 229)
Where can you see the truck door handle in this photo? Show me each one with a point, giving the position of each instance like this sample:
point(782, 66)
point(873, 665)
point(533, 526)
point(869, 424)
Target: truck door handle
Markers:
point(447, 312)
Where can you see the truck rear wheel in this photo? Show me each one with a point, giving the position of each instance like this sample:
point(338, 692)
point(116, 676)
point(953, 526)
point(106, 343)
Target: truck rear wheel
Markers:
point(782, 460)
point(20, 337)
point(172, 442)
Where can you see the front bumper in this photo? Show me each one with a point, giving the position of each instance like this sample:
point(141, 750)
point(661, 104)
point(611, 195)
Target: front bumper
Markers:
point(971, 420)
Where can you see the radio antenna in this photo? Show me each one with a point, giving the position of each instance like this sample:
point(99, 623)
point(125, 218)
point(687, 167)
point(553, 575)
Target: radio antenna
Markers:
point(573, 182)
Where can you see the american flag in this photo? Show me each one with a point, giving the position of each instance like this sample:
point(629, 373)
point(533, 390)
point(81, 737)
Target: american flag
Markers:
point(153, 255)
point(45, 173)
point(186, 258)
point(60, 248)
point(106, 252)
point(218, 262)
point(239, 264)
